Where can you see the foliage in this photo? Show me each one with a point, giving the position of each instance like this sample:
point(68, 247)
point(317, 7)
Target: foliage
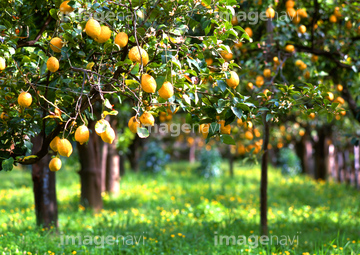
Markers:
point(163, 208)
point(289, 162)
point(153, 158)
point(210, 161)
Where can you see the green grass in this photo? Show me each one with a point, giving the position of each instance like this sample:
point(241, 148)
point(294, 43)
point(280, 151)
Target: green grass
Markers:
point(179, 213)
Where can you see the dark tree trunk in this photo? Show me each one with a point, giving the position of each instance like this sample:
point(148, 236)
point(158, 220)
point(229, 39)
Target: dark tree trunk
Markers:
point(122, 165)
point(321, 152)
point(302, 153)
point(264, 178)
point(134, 153)
point(46, 210)
point(113, 164)
point(90, 173)
point(231, 163)
point(266, 137)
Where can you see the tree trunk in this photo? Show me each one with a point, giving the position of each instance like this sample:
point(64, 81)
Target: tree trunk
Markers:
point(231, 162)
point(90, 173)
point(356, 165)
point(104, 154)
point(122, 164)
point(113, 164)
point(264, 178)
point(302, 153)
point(134, 153)
point(46, 210)
point(321, 153)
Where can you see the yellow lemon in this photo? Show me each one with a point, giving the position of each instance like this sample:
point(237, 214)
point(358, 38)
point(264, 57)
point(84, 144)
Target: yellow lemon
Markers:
point(267, 73)
point(249, 31)
point(52, 64)
point(102, 129)
point(233, 81)
point(333, 18)
point(65, 8)
point(289, 4)
point(55, 165)
point(224, 129)
point(54, 143)
point(259, 81)
point(82, 134)
point(134, 55)
point(249, 135)
point(307, 75)
point(270, 13)
point(296, 19)
point(56, 44)
point(330, 96)
point(4, 116)
point(147, 119)
point(348, 24)
point(121, 39)
point(25, 99)
point(302, 29)
point(312, 115)
point(166, 91)
point(291, 12)
point(64, 147)
point(133, 124)
point(108, 136)
point(148, 83)
point(314, 58)
point(226, 55)
point(303, 66)
point(204, 129)
point(302, 13)
point(209, 61)
point(289, 48)
point(105, 34)
point(2, 63)
point(339, 87)
point(93, 28)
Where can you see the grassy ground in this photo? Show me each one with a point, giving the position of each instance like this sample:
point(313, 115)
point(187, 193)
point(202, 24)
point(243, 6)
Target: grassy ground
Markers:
point(179, 213)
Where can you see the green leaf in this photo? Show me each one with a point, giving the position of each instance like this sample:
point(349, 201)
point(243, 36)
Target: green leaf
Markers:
point(238, 112)
point(110, 113)
point(108, 104)
point(53, 13)
point(269, 117)
point(221, 84)
point(28, 145)
point(227, 139)
point(7, 164)
point(213, 129)
point(142, 132)
point(330, 117)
